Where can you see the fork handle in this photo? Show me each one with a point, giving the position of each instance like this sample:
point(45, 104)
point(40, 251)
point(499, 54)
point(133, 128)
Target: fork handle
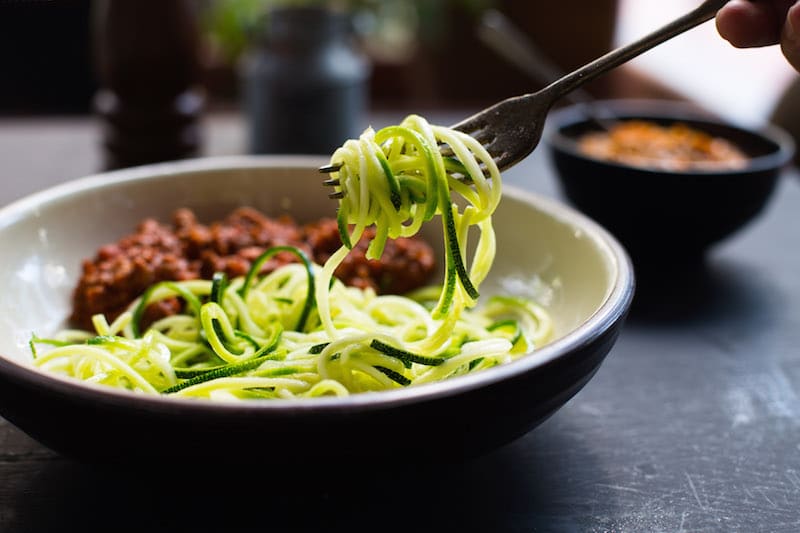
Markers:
point(704, 12)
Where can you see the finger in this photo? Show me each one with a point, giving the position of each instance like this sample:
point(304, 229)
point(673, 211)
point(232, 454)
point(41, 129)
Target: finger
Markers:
point(790, 38)
point(747, 24)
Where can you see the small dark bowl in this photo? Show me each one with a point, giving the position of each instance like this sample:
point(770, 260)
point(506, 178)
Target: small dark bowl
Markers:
point(667, 218)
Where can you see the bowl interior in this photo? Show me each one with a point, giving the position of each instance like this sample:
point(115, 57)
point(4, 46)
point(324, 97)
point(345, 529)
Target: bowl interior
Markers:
point(545, 251)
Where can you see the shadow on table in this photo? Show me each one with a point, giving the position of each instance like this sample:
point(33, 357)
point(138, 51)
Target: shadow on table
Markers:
point(706, 291)
point(520, 487)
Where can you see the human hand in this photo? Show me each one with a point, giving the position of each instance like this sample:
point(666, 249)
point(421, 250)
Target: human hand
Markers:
point(751, 23)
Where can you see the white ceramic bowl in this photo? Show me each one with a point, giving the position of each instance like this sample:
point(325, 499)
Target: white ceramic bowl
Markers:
point(545, 250)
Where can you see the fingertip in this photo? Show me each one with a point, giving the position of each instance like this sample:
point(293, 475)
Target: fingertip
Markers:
point(728, 19)
point(792, 23)
point(790, 39)
point(747, 24)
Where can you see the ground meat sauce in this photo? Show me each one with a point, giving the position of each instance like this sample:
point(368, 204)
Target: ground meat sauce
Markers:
point(677, 147)
point(120, 272)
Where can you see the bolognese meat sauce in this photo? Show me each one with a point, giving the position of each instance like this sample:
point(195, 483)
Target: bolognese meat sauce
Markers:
point(121, 271)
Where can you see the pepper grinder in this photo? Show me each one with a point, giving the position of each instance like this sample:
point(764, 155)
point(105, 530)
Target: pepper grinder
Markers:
point(305, 84)
point(147, 61)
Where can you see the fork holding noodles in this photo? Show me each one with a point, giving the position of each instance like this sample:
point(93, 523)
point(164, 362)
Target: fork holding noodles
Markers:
point(397, 179)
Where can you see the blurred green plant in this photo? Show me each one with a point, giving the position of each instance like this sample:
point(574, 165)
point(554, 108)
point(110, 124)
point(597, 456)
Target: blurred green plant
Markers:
point(233, 24)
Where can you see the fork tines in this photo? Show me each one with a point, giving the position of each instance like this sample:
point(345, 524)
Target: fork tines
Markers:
point(330, 168)
point(332, 182)
point(338, 195)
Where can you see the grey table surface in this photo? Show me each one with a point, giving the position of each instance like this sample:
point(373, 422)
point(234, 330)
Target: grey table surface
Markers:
point(691, 424)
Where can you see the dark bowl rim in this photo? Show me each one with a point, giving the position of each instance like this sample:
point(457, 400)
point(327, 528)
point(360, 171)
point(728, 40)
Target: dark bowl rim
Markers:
point(573, 115)
point(610, 313)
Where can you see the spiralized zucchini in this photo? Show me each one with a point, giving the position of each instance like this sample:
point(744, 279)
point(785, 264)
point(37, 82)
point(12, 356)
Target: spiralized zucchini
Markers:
point(397, 179)
point(300, 332)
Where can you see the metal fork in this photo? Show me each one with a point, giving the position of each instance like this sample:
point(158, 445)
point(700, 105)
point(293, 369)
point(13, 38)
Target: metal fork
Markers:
point(511, 129)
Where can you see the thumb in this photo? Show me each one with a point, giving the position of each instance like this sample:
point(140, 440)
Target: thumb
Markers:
point(790, 36)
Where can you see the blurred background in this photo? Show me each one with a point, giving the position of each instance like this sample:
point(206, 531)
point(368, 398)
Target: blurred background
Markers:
point(110, 59)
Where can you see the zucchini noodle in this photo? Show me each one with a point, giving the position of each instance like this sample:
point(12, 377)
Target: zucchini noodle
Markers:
point(298, 331)
point(396, 179)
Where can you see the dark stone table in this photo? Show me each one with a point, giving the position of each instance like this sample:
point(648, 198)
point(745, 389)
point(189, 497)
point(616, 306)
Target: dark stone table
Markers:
point(691, 424)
